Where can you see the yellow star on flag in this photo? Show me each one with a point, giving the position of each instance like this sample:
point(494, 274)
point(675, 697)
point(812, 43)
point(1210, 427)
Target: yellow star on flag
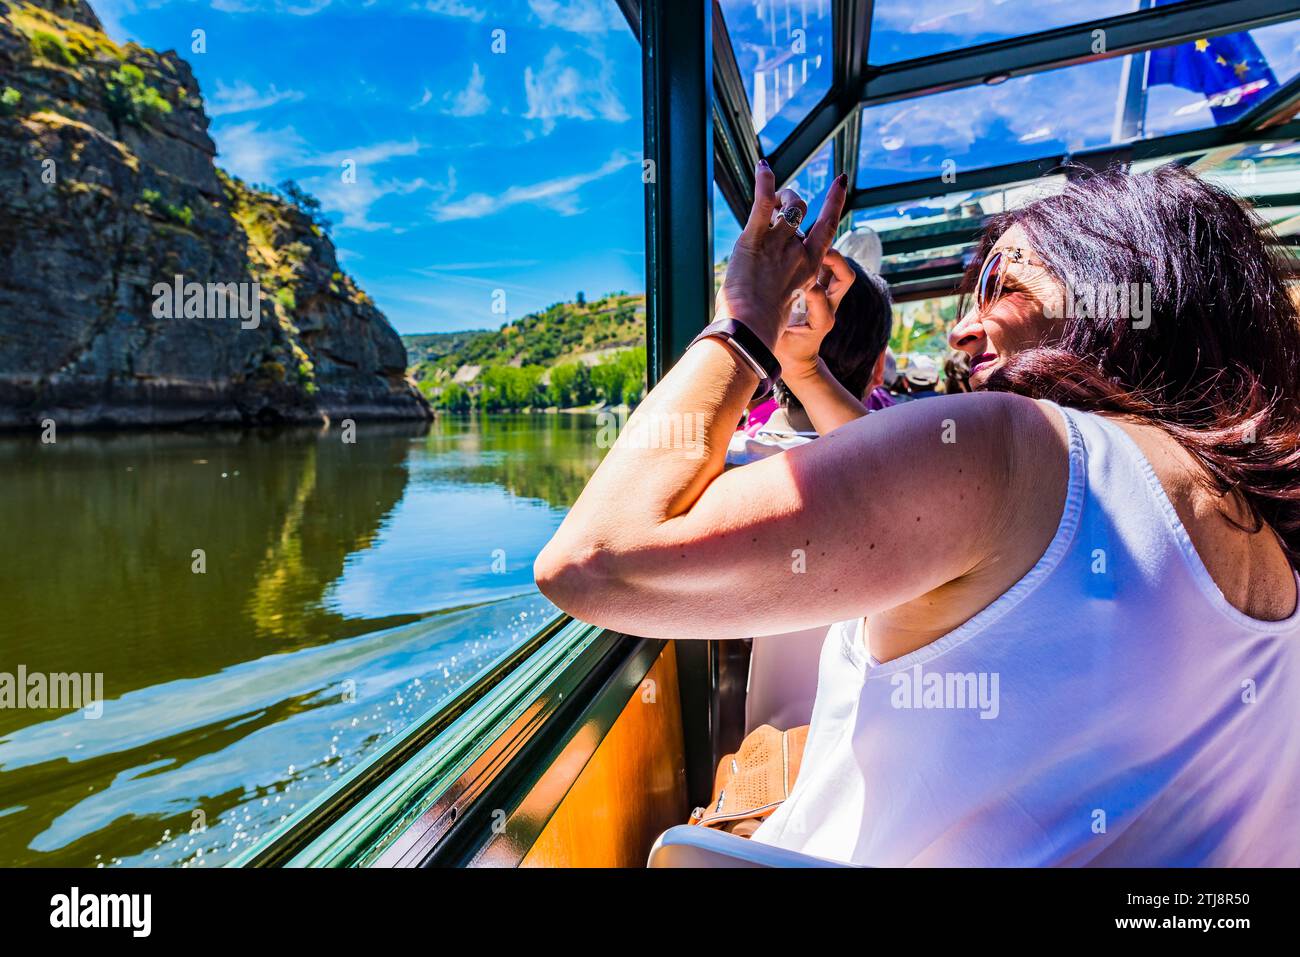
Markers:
point(1202, 45)
point(1241, 69)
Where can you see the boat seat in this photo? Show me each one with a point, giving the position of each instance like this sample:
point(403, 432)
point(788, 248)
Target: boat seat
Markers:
point(688, 845)
point(783, 679)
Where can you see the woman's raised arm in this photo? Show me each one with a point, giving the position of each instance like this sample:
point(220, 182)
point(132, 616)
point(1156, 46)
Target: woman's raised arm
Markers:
point(661, 543)
point(832, 530)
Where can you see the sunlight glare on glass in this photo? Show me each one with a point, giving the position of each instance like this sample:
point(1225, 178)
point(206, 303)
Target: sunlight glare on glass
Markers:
point(783, 49)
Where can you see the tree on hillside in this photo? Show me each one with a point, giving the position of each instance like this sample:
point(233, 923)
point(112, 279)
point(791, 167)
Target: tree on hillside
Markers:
point(622, 378)
point(570, 386)
point(305, 203)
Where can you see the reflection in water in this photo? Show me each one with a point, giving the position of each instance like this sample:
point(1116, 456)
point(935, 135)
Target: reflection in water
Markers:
point(346, 590)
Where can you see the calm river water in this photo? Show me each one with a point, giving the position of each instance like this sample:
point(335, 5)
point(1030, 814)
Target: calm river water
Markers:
point(265, 609)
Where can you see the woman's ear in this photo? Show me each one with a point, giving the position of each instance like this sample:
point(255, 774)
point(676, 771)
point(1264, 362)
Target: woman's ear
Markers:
point(877, 376)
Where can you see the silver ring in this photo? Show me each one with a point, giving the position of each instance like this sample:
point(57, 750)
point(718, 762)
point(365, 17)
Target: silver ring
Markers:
point(793, 215)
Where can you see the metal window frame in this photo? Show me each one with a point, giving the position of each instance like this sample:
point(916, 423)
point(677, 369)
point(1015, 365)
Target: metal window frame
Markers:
point(310, 823)
point(856, 84)
point(1158, 147)
point(686, 133)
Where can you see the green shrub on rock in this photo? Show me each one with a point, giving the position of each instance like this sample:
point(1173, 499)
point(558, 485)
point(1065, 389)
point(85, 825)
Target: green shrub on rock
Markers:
point(130, 99)
point(50, 46)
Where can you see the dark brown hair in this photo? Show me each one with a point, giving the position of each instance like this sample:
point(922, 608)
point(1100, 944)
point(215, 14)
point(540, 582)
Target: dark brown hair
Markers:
point(1218, 367)
point(861, 332)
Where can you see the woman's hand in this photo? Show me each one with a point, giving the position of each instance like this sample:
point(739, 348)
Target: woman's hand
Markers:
point(798, 346)
point(769, 263)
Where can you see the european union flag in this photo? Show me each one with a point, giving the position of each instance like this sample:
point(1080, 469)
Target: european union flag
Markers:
point(1229, 71)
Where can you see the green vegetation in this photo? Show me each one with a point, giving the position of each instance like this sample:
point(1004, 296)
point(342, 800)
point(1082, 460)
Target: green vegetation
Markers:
point(509, 387)
point(615, 381)
point(305, 203)
point(427, 348)
point(455, 398)
point(59, 40)
point(130, 99)
point(568, 355)
point(51, 47)
point(10, 99)
point(560, 332)
point(178, 214)
point(621, 379)
point(923, 326)
point(286, 298)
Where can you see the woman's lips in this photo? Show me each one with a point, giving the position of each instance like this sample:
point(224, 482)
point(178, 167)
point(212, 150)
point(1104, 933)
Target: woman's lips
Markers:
point(979, 360)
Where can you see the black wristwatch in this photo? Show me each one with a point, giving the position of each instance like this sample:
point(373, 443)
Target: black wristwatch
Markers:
point(751, 349)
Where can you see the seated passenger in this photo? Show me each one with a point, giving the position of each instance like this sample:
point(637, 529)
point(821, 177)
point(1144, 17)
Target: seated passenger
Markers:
point(850, 342)
point(1102, 664)
point(882, 397)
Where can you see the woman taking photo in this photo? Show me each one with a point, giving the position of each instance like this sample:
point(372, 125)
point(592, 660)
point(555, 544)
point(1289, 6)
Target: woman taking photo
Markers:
point(1099, 662)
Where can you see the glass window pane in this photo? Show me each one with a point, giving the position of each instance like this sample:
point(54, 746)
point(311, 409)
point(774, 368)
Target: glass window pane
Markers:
point(904, 29)
point(921, 328)
point(266, 604)
point(783, 49)
point(1264, 171)
point(943, 213)
point(726, 228)
point(812, 180)
point(1191, 86)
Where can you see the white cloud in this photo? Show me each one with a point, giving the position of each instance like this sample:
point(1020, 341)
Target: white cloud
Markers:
point(424, 100)
point(354, 201)
point(559, 194)
point(455, 8)
point(257, 155)
point(972, 19)
point(371, 155)
point(578, 16)
point(559, 90)
point(473, 100)
point(302, 8)
point(260, 155)
point(244, 97)
point(263, 156)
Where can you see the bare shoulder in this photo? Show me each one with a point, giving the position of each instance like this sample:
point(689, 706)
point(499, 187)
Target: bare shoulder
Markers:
point(1249, 567)
point(992, 464)
point(999, 436)
point(999, 492)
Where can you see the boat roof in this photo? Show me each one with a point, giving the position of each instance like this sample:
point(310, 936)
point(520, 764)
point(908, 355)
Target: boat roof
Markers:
point(945, 112)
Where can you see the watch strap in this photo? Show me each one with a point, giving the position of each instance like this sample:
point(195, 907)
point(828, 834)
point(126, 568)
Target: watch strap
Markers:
point(749, 347)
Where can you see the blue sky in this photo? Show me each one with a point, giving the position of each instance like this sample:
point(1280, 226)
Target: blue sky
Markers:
point(475, 170)
point(520, 170)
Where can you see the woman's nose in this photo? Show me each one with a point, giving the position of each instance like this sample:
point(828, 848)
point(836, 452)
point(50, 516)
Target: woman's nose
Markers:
point(967, 333)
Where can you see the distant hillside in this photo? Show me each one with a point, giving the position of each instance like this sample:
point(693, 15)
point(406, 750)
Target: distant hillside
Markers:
point(112, 212)
point(429, 347)
point(568, 355)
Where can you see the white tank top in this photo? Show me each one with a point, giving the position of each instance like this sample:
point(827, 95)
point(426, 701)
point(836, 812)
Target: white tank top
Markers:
point(1110, 708)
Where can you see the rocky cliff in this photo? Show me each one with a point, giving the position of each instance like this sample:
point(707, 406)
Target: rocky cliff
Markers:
point(140, 285)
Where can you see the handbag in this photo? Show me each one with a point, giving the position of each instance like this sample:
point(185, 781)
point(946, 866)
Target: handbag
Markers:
point(753, 782)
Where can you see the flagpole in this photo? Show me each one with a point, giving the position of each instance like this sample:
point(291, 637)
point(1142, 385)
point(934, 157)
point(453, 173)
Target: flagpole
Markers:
point(1130, 108)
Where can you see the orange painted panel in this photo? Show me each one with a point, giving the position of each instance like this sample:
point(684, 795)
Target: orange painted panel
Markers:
point(632, 789)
